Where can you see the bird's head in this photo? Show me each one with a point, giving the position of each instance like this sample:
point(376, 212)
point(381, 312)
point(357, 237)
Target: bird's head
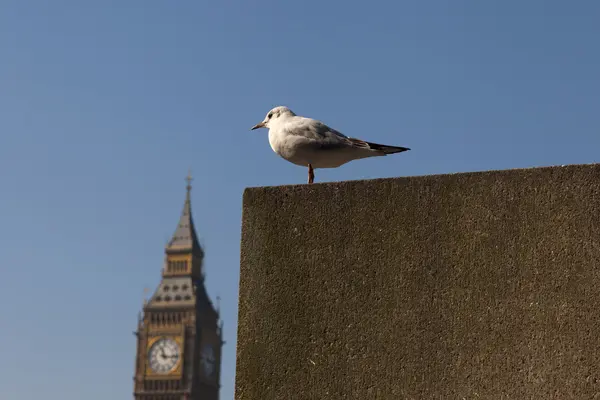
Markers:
point(274, 115)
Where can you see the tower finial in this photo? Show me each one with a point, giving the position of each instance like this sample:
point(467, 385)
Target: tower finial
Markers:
point(189, 180)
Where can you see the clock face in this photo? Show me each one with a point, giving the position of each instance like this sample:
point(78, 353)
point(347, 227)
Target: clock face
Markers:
point(208, 360)
point(164, 355)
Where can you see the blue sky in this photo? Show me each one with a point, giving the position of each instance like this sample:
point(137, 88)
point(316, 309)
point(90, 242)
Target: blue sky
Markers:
point(105, 105)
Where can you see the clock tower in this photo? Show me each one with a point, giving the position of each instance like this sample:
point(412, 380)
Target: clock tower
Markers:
point(179, 333)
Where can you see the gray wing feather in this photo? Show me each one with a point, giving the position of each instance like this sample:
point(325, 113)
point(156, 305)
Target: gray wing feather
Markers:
point(329, 134)
point(326, 137)
point(317, 130)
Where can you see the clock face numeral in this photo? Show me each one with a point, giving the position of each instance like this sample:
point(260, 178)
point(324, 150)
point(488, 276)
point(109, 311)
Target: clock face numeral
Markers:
point(208, 360)
point(164, 355)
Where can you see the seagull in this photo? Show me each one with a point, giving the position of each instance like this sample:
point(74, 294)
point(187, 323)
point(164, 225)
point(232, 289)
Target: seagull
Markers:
point(310, 143)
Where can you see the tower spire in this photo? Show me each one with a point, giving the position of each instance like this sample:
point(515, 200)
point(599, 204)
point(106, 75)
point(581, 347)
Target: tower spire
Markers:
point(184, 238)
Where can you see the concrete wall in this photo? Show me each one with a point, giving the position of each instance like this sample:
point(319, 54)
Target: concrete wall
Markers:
point(479, 285)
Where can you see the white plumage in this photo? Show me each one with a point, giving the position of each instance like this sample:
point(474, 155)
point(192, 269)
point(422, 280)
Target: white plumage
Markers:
point(310, 143)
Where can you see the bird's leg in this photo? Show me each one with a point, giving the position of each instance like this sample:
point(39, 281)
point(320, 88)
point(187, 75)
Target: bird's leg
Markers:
point(311, 174)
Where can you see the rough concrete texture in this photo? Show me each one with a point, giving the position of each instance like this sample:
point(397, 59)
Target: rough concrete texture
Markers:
point(465, 286)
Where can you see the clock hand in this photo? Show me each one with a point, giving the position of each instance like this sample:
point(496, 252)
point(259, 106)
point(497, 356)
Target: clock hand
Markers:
point(162, 352)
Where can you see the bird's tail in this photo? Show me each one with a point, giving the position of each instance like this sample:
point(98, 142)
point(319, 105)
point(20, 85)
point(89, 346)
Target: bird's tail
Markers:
point(387, 149)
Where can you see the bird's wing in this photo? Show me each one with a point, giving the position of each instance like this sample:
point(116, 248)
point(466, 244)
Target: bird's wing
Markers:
point(328, 134)
point(359, 143)
point(329, 137)
point(316, 130)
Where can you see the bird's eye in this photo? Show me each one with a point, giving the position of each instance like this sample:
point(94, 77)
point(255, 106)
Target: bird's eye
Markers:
point(270, 115)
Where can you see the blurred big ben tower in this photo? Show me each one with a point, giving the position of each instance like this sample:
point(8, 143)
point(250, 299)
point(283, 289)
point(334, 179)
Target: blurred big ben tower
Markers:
point(179, 334)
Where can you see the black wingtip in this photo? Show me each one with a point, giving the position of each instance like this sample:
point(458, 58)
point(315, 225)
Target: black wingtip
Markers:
point(393, 149)
point(385, 148)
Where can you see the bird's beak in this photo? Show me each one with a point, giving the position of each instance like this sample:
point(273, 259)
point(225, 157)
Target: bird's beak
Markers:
point(259, 125)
